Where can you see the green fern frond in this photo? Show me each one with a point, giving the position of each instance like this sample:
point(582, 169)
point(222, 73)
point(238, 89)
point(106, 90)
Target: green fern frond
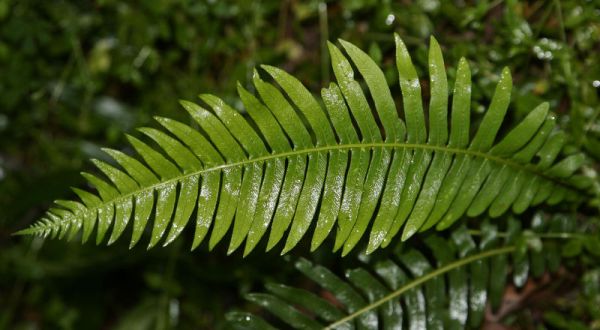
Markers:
point(442, 284)
point(348, 165)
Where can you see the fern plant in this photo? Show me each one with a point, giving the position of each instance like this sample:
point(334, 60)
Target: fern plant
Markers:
point(349, 163)
point(442, 283)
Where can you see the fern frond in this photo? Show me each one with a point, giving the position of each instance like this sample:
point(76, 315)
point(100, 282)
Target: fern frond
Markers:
point(348, 165)
point(443, 284)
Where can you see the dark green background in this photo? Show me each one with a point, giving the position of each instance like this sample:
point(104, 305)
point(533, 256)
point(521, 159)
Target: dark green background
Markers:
point(76, 75)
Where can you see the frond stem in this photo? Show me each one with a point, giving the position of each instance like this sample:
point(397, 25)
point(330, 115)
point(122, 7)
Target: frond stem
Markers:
point(561, 235)
point(328, 148)
point(369, 145)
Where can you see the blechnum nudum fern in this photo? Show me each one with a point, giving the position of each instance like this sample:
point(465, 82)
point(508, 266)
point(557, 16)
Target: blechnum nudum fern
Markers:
point(350, 163)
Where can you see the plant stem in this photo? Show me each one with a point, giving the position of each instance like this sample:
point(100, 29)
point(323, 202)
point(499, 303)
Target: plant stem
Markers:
point(563, 34)
point(324, 32)
point(475, 232)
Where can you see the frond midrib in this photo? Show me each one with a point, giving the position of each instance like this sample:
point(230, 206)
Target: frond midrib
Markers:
point(328, 148)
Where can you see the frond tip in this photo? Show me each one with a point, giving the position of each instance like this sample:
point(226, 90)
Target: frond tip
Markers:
point(340, 163)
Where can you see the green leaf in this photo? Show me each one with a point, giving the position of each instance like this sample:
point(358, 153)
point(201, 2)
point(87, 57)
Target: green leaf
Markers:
point(360, 163)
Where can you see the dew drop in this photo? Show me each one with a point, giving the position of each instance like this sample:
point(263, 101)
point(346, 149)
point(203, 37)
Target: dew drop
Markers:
point(390, 19)
point(414, 83)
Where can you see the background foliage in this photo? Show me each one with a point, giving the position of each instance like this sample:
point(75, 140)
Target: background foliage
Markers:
point(75, 75)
